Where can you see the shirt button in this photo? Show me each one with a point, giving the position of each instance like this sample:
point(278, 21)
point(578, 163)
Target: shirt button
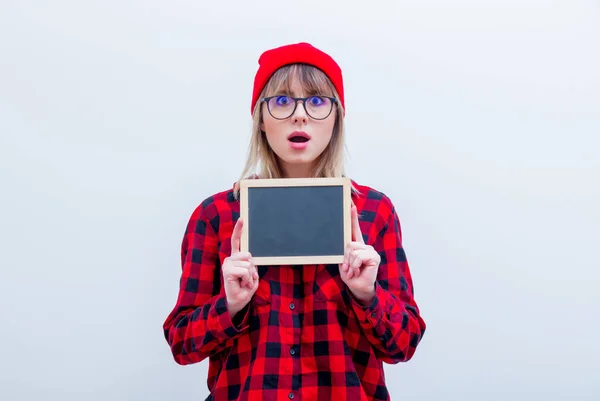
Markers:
point(374, 315)
point(292, 306)
point(292, 351)
point(291, 396)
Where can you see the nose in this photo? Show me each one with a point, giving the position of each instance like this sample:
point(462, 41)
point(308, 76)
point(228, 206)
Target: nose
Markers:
point(300, 113)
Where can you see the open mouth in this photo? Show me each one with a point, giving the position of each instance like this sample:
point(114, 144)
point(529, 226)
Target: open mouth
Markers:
point(298, 137)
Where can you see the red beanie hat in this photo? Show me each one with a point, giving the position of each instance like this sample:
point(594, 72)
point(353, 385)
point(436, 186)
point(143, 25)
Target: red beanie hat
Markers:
point(303, 53)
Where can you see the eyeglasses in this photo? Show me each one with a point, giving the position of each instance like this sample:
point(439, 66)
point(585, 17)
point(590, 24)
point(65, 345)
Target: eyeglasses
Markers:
point(317, 107)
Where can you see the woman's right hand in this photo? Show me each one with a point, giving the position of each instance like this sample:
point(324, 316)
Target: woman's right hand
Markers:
point(240, 276)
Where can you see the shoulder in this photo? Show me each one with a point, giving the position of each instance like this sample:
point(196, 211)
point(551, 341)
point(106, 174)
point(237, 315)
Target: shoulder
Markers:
point(371, 197)
point(373, 205)
point(215, 208)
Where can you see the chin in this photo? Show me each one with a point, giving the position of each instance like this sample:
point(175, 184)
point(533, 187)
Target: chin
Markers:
point(299, 160)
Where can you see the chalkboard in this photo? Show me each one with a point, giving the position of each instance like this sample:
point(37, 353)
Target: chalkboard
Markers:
point(295, 220)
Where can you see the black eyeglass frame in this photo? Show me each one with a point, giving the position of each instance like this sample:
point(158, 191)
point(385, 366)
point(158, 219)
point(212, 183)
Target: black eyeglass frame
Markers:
point(296, 100)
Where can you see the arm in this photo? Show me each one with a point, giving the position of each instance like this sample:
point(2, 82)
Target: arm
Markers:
point(200, 325)
point(391, 321)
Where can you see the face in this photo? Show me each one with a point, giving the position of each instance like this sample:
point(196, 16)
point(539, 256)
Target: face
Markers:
point(299, 140)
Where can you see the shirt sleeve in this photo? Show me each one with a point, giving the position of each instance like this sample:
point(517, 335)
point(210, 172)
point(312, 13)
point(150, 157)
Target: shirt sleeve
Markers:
point(392, 322)
point(200, 324)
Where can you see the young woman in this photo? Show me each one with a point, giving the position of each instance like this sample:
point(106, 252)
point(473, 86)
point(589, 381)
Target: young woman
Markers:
point(295, 332)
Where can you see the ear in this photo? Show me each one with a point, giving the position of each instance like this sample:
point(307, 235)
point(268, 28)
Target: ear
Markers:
point(262, 127)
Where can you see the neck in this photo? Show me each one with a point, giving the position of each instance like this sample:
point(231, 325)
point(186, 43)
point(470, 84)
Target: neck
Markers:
point(297, 170)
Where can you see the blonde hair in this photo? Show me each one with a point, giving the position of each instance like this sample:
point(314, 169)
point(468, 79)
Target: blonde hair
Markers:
point(262, 162)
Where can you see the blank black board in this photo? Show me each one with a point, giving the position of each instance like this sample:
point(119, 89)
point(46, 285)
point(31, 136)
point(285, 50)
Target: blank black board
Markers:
point(295, 221)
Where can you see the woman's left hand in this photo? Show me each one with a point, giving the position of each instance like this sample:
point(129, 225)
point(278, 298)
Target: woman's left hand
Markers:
point(360, 265)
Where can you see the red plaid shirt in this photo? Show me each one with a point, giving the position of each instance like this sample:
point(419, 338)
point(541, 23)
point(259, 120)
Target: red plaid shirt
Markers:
point(302, 336)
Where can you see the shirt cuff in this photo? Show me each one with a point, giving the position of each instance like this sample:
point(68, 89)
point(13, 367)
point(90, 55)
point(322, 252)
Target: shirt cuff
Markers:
point(372, 316)
point(229, 328)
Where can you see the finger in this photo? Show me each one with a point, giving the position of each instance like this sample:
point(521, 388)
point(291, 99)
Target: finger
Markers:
point(344, 264)
point(237, 272)
point(356, 233)
point(356, 270)
point(253, 274)
point(351, 260)
point(236, 236)
point(240, 273)
point(251, 269)
point(350, 247)
point(246, 256)
point(368, 255)
point(242, 263)
point(357, 262)
point(354, 245)
point(343, 267)
point(347, 250)
point(251, 282)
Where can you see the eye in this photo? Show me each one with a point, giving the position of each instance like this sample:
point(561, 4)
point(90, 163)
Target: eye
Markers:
point(316, 100)
point(282, 100)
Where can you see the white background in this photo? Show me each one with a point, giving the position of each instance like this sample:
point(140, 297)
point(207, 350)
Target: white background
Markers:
point(480, 120)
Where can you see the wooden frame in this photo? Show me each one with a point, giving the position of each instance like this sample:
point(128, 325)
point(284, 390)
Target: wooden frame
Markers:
point(345, 183)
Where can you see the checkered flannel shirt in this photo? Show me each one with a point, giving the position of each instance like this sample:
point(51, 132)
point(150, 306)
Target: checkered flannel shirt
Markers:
point(303, 336)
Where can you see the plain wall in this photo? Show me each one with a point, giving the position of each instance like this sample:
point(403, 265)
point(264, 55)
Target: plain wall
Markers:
point(479, 119)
